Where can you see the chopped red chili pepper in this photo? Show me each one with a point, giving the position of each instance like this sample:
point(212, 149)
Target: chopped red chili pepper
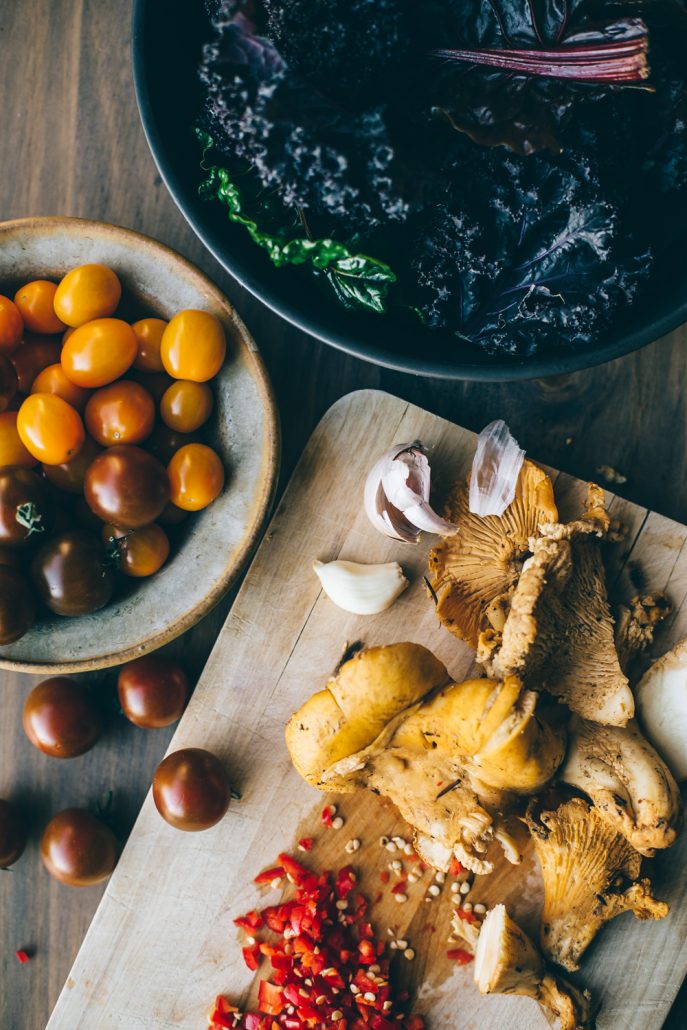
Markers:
point(399, 888)
point(251, 956)
point(305, 843)
point(23, 956)
point(328, 816)
point(385, 876)
point(456, 867)
point(467, 917)
point(251, 921)
point(269, 875)
point(460, 955)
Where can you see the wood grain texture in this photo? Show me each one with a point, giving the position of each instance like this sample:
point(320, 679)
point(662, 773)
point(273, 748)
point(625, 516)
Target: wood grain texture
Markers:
point(161, 946)
point(71, 144)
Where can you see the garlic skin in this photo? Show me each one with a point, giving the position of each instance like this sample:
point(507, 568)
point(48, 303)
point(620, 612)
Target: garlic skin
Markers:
point(495, 470)
point(397, 495)
point(361, 589)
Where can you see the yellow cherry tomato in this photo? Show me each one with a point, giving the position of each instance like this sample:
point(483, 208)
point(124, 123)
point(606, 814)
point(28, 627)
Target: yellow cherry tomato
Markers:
point(12, 450)
point(53, 380)
point(193, 346)
point(11, 326)
point(196, 477)
point(148, 332)
point(85, 293)
point(139, 552)
point(185, 406)
point(99, 352)
point(50, 429)
point(35, 301)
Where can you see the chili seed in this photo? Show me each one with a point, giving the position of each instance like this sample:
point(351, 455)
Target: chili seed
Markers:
point(413, 877)
point(467, 907)
point(409, 954)
point(396, 866)
point(354, 989)
point(337, 1014)
point(337, 823)
point(480, 909)
point(409, 849)
point(352, 846)
point(342, 905)
point(402, 945)
point(401, 898)
point(369, 996)
point(440, 877)
point(320, 999)
point(434, 890)
point(465, 888)
point(455, 888)
point(390, 846)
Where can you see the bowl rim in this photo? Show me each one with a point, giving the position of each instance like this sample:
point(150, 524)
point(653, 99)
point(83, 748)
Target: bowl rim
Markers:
point(269, 468)
point(346, 341)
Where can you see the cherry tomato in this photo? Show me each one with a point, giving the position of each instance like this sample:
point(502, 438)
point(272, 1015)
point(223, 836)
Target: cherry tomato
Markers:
point(185, 406)
point(11, 326)
point(71, 475)
point(35, 304)
point(53, 380)
point(172, 516)
point(8, 383)
point(17, 608)
point(196, 477)
point(191, 789)
point(61, 718)
point(149, 336)
point(122, 412)
point(50, 429)
point(12, 833)
point(35, 354)
point(99, 352)
point(193, 346)
point(154, 382)
point(12, 450)
point(27, 513)
point(127, 486)
point(165, 442)
point(85, 293)
point(78, 849)
point(152, 691)
point(9, 557)
point(139, 552)
point(72, 575)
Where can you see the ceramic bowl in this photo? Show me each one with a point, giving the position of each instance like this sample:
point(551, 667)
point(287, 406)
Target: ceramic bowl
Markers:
point(213, 544)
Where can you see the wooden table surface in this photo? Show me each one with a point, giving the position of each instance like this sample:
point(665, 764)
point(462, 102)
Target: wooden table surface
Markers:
point(71, 144)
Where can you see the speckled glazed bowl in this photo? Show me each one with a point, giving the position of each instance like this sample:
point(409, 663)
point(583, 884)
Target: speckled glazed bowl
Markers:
point(244, 429)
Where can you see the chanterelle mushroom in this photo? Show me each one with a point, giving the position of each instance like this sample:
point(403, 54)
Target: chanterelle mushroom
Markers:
point(507, 962)
point(630, 785)
point(481, 563)
point(636, 625)
point(451, 756)
point(558, 633)
point(591, 874)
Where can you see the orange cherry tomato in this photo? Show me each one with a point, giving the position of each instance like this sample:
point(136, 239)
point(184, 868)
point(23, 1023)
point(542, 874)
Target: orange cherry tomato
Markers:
point(196, 477)
point(50, 429)
point(123, 412)
point(11, 326)
point(12, 450)
point(185, 405)
point(99, 352)
point(149, 336)
point(139, 552)
point(85, 293)
point(35, 303)
point(193, 346)
point(70, 475)
point(35, 354)
point(53, 380)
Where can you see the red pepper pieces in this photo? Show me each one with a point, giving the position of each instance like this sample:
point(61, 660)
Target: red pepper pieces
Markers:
point(23, 956)
point(460, 955)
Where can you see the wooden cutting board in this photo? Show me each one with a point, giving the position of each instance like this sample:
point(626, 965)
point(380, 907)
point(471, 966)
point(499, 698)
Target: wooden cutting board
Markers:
point(162, 943)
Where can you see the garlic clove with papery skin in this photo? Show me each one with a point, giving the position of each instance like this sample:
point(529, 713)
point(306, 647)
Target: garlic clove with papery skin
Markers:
point(495, 470)
point(361, 589)
point(397, 495)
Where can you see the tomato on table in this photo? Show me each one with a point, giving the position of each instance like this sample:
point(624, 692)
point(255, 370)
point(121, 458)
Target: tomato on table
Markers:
point(61, 718)
point(79, 849)
point(127, 486)
point(50, 429)
point(12, 450)
point(191, 789)
point(152, 691)
point(186, 406)
point(148, 332)
point(72, 575)
point(193, 346)
point(99, 352)
point(35, 354)
point(11, 326)
point(53, 380)
point(35, 302)
point(70, 476)
point(123, 412)
point(87, 292)
point(196, 477)
point(138, 552)
point(13, 833)
point(17, 606)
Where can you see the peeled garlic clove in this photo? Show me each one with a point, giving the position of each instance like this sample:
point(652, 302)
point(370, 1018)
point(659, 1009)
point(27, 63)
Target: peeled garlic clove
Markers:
point(495, 470)
point(397, 495)
point(361, 589)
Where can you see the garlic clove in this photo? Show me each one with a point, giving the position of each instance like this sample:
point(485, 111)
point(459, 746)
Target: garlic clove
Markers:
point(397, 495)
point(495, 470)
point(361, 589)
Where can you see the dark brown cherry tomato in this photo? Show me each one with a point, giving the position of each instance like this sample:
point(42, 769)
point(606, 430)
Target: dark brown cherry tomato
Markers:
point(72, 575)
point(27, 512)
point(78, 849)
point(83, 516)
point(61, 718)
point(153, 691)
point(8, 383)
point(137, 552)
point(123, 412)
point(127, 486)
point(12, 833)
point(34, 354)
point(9, 557)
point(191, 789)
point(70, 476)
point(17, 608)
point(165, 442)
